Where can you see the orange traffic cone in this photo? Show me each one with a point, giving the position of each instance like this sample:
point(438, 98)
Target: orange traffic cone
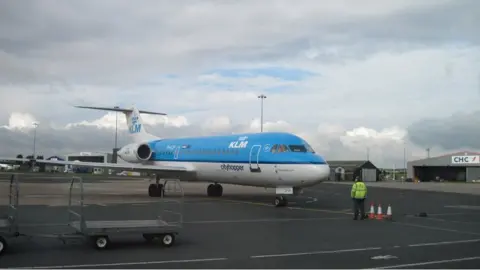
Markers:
point(379, 212)
point(389, 213)
point(371, 215)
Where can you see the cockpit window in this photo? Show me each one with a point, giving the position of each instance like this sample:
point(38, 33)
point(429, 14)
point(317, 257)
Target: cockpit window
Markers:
point(274, 148)
point(279, 148)
point(309, 148)
point(282, 148)
point(298, 148)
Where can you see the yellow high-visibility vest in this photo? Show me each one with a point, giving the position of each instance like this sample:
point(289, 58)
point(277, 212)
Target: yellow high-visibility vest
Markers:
point(359, 190)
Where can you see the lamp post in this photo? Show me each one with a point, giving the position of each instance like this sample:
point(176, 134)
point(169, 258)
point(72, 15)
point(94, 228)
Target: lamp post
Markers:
point(262, 97)
point(116, 126)
point(35, 125)
point(405, 160)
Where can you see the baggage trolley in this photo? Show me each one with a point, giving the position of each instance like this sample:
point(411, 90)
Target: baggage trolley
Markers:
point(100, 232)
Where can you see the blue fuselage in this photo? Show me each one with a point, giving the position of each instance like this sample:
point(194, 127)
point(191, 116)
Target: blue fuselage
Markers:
point(259, 148)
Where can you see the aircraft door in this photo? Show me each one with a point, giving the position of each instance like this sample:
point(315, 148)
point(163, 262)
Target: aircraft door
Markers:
point(254, 158)
point(176, 152)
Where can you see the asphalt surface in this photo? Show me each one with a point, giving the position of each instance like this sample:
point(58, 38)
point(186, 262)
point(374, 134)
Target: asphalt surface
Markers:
point(243, 229)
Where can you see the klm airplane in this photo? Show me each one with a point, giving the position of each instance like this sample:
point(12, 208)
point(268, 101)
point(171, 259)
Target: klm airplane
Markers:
point(270, 159)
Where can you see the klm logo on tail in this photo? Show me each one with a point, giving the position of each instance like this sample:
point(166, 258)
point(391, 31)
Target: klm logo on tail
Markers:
point(136, 127)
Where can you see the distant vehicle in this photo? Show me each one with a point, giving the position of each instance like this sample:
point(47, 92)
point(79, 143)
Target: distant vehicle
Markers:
point(270, 159)
point(126, 173)
point(6, 167)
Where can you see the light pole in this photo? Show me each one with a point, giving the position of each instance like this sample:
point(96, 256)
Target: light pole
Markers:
point(35, 125)
point(405, 160)
point(262, 97)
point(116, 126)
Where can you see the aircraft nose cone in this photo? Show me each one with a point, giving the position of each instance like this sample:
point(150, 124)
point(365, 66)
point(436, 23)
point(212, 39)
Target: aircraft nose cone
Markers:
point(322, 173)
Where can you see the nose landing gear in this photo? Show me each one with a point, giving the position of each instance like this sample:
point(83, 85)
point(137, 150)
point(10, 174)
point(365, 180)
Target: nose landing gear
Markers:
point(156, 190)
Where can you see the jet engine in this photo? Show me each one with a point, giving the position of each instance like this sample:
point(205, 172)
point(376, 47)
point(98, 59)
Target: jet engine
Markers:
point(135, 153)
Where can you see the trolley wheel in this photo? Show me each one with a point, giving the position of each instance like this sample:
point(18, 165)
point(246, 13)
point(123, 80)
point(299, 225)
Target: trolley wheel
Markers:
point(280, 201)
point(101, 242)
point(3, 245)
point(168, 239)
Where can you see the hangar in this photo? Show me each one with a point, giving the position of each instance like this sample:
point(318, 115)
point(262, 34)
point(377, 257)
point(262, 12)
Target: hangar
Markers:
point(458, 167)
point(53, 168)
point(90, 157)
point(347, 170)
point(97, 157)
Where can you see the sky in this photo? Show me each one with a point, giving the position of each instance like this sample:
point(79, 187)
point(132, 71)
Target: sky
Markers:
point(356, 79)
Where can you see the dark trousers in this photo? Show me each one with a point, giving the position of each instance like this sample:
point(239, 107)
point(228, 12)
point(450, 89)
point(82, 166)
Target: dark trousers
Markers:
point(359, 206)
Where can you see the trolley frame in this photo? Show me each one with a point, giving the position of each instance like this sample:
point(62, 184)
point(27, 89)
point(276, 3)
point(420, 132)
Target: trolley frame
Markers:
point(9, 222)
point(98, 231)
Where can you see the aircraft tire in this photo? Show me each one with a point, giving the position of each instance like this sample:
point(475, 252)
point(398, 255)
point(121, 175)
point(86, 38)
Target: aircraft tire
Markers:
point(218, 190)
point(156, 191)
point(214, 190)
point(159, 190)
point(211, 190)
point(152, 190)
point(280, 201)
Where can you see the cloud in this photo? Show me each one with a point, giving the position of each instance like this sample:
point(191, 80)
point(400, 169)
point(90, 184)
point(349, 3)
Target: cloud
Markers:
point(345, 75)
point(330, 141)
point(287, 74)
point(459, 131)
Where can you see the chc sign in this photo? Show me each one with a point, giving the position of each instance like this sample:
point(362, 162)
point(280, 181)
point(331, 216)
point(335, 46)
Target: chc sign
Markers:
point(465, 159)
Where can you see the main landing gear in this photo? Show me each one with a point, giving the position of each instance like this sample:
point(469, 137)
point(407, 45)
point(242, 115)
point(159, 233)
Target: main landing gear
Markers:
point(214, 190)
point(280, 201)
point(156, 190)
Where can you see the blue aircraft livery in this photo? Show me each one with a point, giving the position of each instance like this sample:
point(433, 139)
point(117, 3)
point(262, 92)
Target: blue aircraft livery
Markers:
point(136, 125)
point(259, 148)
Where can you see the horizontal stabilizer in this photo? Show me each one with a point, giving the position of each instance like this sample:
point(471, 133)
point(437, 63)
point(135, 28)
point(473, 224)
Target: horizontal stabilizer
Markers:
point(118, 109)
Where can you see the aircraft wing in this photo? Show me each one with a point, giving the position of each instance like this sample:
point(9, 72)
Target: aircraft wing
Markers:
point(126, 167)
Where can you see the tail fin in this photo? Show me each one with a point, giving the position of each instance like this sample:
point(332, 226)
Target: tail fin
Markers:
point(136, 128)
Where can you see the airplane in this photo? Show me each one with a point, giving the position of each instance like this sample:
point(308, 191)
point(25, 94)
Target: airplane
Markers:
point(277, 160)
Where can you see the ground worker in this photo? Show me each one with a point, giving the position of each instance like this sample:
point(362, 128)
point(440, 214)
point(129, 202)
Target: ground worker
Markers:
point(358, 194)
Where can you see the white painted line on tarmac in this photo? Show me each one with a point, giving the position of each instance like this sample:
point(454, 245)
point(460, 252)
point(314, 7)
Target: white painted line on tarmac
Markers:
point(103, 265)
point(413, 265)
point(452, 214)
point(320, 210)
point(469, 207)
point(384, 257)
point(445, 243)
point(45, 196)
point(315, 252)
point(258, 220)
point(446, 220)
point(435, 228)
